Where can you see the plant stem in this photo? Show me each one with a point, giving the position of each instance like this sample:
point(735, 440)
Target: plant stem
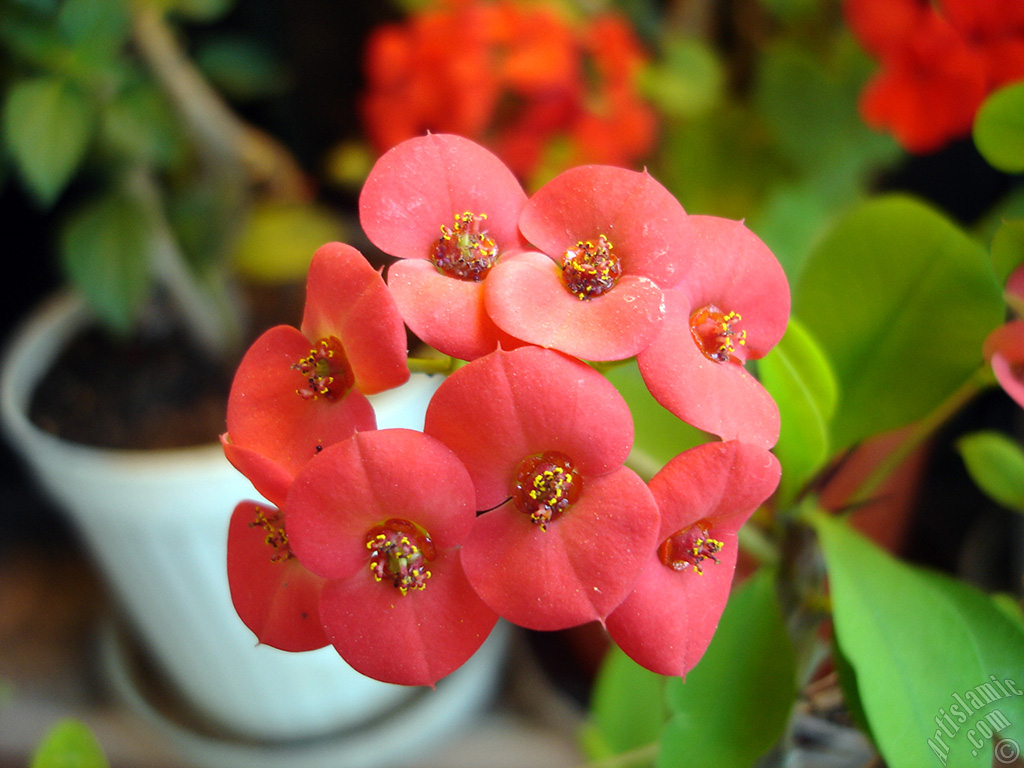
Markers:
point(207, 314)
point(219, 132)
point(444, 365)
point(981, 379)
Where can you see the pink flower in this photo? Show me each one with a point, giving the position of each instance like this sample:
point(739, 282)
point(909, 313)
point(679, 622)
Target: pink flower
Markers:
point(704, 495)
point(448, 209)
point(544, 437)
point(610, 239)
point(380, 516)
point(273, 593)
point(730, 305)
point(297, 391)
point(1004, 348)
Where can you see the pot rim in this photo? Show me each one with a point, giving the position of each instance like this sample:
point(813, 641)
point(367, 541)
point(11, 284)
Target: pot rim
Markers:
point(30, 352)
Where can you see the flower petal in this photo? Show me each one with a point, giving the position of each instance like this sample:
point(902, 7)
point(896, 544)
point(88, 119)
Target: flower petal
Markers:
point(526, 296)
point(364, 481)
point(274, 594)
point(411, 639)
point(445, 313)
point(347, 298)
point(1004, 348)
point(266, 414)
point(646, 225)
point(734, 270)
point(421, 184)
point(506, 406)
point(669, 618)
point(578, 569)
point(722, 398)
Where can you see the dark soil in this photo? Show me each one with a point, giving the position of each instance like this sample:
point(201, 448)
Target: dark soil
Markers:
point(160, 391)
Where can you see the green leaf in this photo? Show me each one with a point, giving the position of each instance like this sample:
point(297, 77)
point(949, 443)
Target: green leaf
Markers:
point(734, 705)
point(627, 709)
point(687, 81)
point(69, 744)
point(105, 252)
point(919, 646)
point(901, 299)
point(659, 434)
point(139, 124)
point(97, 28)
point(47, 124)
point(1007, 249)
point(798, 376)
point(999, 129)
point(996, 463)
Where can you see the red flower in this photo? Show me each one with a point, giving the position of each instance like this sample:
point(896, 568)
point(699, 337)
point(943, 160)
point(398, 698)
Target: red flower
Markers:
point(704, 495)
point(609, 238)
point(514, 76)
point(381, 516)
point(937, 63)
point(296, 391)
point(731, 304)
point(544, 437)
point(448, 209)
point(273, 593)
point(1004, 348)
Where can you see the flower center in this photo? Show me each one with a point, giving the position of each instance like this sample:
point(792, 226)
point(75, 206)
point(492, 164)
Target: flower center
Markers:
point(465, 250)
point(689, 548)
point(716, 334)
point(400, 552)
point(590, 269)
point(546, 484)
point(277, 537)
point(326, 371)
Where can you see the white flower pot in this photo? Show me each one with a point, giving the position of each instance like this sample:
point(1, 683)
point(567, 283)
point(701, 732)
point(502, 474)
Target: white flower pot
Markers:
point(156, 524)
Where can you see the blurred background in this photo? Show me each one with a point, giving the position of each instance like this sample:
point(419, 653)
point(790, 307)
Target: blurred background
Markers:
point(748, 109)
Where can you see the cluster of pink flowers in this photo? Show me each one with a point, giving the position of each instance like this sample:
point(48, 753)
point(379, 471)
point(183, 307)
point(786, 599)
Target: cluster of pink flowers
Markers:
point(402, 548)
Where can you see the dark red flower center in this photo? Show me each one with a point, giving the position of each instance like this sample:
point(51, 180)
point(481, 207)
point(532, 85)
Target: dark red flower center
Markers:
point(590, 269)
point(277, 537)
point(690, 547)
point(546, 484)
point(400, 552)
point(326, 370)
point(717, 335)
point(465, 250)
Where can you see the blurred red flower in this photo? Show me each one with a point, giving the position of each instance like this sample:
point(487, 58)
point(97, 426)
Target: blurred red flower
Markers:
point(938, 63)
point(514, 76)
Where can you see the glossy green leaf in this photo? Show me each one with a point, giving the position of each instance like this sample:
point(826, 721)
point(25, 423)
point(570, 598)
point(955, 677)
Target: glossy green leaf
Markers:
point(69, 744)
point(627, 708)
point(105, 252)
point(996, 463)
point(659, 435)
point(47, 124)
point(901, 300)
point(918, 647)
point(734, 705)
point(1008, 249)
point(798, 376)
point(999, 129)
